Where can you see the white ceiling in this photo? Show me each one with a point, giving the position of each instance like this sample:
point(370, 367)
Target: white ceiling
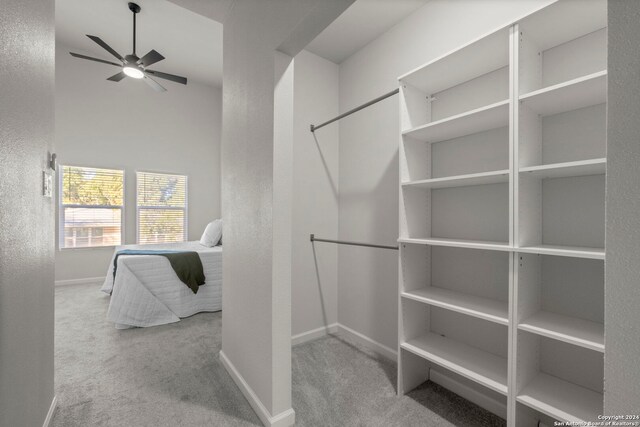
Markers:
point(191, 43)
point(362, 23)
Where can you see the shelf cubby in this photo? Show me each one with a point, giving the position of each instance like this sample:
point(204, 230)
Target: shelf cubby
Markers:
point(561, 400)
point(569, 329)
point(562, 299)
point(561, 381)
point(466, 281)
point(469, 78)
point(570, 137)
point(477, 365)
point(492, 116)
point(566, 96)
point(450, 340)
point(559, 47)
point(562, 216)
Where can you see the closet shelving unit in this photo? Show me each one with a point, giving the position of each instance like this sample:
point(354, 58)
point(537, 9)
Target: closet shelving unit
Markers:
point(502, 173)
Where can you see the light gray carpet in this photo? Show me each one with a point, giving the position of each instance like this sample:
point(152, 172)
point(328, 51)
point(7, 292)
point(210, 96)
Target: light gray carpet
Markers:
point(171, 376)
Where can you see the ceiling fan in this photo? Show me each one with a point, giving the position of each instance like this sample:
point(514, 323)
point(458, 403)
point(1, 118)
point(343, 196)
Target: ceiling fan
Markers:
point(131, 65)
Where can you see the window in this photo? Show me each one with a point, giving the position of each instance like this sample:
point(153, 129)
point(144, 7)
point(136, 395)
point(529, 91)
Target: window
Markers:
point(91, 206)
point(162, 208)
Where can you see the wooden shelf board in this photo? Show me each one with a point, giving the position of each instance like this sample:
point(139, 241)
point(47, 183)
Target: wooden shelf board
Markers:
point(567, 169)
point(571, 330)
point(568, 251)
point(482, 178)
point(479, 120)
point(460, 243)
point(561, 399)
point(477, 365)
point(571, 95)
point(482, 308)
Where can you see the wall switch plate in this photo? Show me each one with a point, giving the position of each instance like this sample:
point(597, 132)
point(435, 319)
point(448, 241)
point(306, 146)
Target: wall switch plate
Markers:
point(47, 184)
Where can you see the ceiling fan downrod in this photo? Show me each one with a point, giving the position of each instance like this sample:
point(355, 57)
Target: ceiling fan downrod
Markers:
point(135, 9)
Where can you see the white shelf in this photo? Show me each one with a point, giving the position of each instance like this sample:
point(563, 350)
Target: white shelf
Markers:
point(561, 400)
point(568, 251)
point(559, 23)
point(483, 308)
point(481, 56)
point(479, 120)
point(477, 365)
point(572, 95)
point(483, 178)
point(459, 243)
point(568, 329)
point(567, 169)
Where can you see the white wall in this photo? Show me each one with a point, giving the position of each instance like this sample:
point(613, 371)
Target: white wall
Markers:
point(26, 217)
point(129, 126)
point(256, 333)
point(367, 278)
point(315, 194)
point(622, 267)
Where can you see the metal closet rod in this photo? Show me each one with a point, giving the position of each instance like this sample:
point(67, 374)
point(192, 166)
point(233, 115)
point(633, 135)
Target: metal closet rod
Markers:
point(348, 113)
point(313, 238)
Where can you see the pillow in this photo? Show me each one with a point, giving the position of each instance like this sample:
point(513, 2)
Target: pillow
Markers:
point(212, 234)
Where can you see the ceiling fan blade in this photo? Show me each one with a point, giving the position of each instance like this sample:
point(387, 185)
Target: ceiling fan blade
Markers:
point(77, 55)
point(150, 58)
point(117, 77)
point(166, 76)
point(154, 84)
point(106, 47)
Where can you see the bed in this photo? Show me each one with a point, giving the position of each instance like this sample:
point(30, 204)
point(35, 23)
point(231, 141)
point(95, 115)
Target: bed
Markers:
point(147, 291)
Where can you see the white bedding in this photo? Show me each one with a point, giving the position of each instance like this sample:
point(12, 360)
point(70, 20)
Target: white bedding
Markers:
point(147, 292)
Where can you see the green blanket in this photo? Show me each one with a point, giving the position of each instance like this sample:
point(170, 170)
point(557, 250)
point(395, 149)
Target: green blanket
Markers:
point(186, 264)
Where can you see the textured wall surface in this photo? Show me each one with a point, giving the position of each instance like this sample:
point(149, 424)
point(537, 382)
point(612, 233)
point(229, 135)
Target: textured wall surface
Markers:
point(256, 335)
point(622, 267)
point(315, 195)
point(177, 131)
point(26, 217)
point(368, 278)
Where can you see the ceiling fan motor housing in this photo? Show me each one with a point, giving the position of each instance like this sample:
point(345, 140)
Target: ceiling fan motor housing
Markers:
point(131, 59)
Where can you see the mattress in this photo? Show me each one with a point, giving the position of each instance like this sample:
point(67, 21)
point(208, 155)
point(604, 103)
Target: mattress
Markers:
point(147, 292)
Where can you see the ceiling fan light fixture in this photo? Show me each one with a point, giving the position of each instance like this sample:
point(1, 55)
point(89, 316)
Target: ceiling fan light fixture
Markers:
point(131, 65)
point(133, 72)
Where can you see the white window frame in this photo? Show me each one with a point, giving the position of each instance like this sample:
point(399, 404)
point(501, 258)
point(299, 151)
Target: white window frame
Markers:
point(61, 207)
point(185, 233)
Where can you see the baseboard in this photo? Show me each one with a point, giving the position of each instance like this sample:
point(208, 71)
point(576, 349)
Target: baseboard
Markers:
point(364, 340)
point(284, 419)
point(468, 393)
point(52, 409)
point(83, 281)
point(314, 334)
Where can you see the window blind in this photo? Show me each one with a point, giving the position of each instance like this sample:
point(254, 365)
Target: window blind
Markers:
point(91, 206)
point(162, 207)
